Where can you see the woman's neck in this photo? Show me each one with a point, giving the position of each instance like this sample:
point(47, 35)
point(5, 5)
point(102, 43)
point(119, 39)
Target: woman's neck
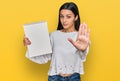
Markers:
point(68, 30)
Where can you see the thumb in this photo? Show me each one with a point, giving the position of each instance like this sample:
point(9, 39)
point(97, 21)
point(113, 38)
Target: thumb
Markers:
point(71, 41)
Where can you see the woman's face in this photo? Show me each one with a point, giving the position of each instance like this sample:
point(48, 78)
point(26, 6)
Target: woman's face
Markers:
point(67, 19)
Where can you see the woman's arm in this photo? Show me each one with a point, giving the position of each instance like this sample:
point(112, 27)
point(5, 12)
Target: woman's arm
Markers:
point(41, 59)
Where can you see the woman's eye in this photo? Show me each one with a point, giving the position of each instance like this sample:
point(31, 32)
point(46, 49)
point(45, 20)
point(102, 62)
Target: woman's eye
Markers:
point(68, 16)
point(61, 16)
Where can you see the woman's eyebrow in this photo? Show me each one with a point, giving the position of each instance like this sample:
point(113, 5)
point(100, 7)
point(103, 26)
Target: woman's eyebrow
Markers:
point(66, 14)
point(69, 14)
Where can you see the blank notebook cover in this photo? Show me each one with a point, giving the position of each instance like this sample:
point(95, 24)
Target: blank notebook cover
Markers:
point(39, 37)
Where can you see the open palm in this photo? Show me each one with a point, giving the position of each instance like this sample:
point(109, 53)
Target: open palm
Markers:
point(82, 41)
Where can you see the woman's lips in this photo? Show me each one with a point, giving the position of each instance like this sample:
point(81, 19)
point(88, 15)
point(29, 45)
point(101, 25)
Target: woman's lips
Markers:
point(64, 24)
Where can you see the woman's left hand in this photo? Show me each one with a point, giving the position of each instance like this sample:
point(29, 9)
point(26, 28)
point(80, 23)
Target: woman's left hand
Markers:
point(82, 41)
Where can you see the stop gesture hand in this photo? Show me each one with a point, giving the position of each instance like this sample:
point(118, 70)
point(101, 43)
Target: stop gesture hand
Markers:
point(82, 41)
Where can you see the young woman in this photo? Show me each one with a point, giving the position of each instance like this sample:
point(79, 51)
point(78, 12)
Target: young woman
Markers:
point(70, 45)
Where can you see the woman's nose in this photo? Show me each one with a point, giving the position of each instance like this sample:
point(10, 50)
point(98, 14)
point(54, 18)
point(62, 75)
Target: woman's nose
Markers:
point(64, 19)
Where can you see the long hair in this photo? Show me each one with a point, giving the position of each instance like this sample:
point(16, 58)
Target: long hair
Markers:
point(73, 7)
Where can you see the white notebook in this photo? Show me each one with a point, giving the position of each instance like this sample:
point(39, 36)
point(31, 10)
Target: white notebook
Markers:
point(39, 37)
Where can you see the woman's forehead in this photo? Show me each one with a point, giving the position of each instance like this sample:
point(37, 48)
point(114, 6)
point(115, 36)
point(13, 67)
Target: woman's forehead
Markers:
point(66, 11)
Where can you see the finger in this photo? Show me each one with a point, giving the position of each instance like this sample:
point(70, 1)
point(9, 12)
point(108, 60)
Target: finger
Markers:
point(71, 41)
point(27, 43)
point(80, 30)
point(26, 39)
point(85, 29)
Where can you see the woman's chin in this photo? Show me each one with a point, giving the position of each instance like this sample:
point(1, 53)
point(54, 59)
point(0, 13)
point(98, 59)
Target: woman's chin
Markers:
point(65, 27)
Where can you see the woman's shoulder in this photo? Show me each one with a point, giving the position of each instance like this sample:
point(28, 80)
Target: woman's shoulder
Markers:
point(54, 32)
point(59, 32)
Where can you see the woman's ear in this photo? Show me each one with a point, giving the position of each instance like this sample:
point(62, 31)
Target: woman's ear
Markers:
point(76, 17)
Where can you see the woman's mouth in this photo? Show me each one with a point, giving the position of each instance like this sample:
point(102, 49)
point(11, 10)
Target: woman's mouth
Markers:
point(64, 24)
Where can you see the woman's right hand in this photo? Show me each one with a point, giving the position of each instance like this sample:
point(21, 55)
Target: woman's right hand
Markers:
point(26, 41)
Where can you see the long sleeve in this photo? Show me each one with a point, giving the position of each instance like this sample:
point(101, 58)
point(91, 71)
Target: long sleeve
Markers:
point(41, 59)
point(84, 54)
